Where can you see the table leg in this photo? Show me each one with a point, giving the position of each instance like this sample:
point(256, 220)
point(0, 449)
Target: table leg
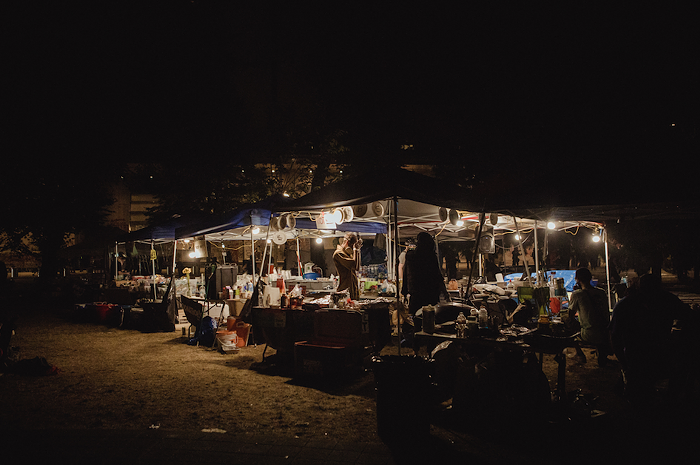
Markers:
point(560, 358)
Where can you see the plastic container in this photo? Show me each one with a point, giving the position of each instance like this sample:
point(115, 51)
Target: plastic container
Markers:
point(243, 331)
point(429, 319)
point(227, 337)
point(483, 316)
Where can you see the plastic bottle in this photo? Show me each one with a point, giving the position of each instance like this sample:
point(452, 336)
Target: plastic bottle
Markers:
point(483, 317)
point(461, 325)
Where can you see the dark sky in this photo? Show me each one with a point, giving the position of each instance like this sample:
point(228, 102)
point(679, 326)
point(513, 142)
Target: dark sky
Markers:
point(505, 87)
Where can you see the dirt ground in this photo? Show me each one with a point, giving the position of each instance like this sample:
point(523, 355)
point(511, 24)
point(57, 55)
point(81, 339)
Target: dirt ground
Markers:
point(116, 378)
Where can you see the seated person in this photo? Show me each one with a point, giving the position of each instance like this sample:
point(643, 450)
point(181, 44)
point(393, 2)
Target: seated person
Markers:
point(591, 306)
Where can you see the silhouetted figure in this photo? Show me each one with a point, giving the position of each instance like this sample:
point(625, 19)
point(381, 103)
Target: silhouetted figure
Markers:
point(641, 335)
point(423, 279)
point(8, 314)
point(490, 270)
point(516, 256)
point(591, 305)
point(451, 259)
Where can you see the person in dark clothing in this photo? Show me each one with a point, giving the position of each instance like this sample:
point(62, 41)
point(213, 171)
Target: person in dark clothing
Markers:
point(423, 281)
point(590, 305)
point(451, 259)
point(516, 256)
point(641, 335)
point(8, 314)
point(490, 270)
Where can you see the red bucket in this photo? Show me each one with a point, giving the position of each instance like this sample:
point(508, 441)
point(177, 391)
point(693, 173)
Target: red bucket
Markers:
point(243, 331)
point(103, 311)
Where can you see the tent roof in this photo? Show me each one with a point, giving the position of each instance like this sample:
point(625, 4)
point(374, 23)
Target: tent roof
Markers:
point(236, 225)
point(420, 198)
point(161, 231)
point(386, 184)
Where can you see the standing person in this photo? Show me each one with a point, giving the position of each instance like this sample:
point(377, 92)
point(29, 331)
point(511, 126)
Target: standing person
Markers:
point(9, 301)
point(347, 262)
point(591, 305)
point(516, 256)
point(402, 263)
point(642, 336)
point(451, 259)
point(423, 281)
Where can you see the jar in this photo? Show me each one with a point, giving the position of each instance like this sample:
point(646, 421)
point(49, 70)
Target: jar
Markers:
point(429, 319)
point(483, 318)
point(461, 325)
point(472, 326)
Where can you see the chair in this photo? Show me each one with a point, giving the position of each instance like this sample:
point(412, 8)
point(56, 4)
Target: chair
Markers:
point(194, 311)
point(155, 313)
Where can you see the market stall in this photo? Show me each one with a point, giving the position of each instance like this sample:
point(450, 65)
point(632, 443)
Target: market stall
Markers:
point(273, 247)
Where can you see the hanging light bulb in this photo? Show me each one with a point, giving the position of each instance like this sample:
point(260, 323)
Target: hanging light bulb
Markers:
point(596, 238)
point(256, 230)
point(551, 225)
point(319, 240)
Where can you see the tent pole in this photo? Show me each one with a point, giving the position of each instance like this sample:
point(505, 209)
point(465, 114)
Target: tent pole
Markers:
point(396, 268)
point(545, 249)
point(116, 261)
point(522, 250)
point(482, 219)
point(153, 265)
point(537, 258)
point(607, 268)
point(252, 251)
point(174, 256)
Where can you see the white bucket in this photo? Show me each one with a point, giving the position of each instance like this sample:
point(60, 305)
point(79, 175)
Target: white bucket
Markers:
point(271, 296)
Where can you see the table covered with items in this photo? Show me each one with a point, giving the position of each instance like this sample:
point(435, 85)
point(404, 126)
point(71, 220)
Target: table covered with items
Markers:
point(323, 335)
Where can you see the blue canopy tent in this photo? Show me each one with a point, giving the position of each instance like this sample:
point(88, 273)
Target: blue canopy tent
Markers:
point(158, 233)
point(252, 222)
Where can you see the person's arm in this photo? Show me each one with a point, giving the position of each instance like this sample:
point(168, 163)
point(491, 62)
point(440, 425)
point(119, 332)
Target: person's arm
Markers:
point(346, 260)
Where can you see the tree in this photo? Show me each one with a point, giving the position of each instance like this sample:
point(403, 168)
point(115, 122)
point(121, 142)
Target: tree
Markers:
point(46, 202)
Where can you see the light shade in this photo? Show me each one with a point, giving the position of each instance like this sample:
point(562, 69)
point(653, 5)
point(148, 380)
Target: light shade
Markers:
point(337, 216)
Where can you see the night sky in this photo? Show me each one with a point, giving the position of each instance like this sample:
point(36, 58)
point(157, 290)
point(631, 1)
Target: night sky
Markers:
point(503, 88)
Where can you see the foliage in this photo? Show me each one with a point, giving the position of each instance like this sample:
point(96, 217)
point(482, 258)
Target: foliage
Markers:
point(199, 186)
point(47, 201)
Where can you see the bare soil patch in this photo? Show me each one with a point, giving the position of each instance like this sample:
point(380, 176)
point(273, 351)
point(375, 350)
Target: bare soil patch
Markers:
point(113, 378)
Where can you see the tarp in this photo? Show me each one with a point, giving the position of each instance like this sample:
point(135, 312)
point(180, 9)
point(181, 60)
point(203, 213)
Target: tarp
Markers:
point(236, 223)
point(387, 184)
point(164, 231)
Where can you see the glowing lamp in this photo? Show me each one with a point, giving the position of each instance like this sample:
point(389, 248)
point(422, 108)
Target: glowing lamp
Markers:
point(337, 216)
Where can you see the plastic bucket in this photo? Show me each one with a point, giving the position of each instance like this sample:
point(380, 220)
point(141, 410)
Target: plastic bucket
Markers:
point(102, 311)
point(243, 331)
point(227, 337)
